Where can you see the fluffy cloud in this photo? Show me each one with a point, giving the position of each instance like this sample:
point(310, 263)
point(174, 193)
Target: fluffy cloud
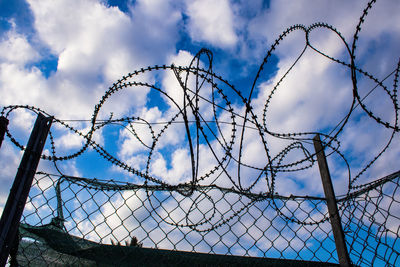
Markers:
point(15, 48)
point(96, 44)
point(9, 164)
point(212, 22)
point(93, 45)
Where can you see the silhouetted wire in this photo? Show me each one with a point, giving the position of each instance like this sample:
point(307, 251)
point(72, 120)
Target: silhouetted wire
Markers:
point(203, 132)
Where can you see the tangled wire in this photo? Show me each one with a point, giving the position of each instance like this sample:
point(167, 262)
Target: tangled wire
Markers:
point(224, 140)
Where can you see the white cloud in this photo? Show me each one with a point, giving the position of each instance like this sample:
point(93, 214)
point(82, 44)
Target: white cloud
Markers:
point(69, 140)
point(15, 48)
point(137, 136)
point(212, 22)
point(19, 85)
point(171, 84)
point(96, 48)
point(180, 170)
point(282, 14)
point(10, 158)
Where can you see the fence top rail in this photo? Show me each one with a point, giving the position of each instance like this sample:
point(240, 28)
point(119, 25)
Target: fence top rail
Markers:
point(369, 186)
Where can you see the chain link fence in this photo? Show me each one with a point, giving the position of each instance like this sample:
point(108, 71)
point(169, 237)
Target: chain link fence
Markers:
point(371, 219)
point(70, 220)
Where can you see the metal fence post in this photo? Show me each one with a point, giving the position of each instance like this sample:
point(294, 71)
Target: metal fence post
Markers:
point(3, 128)
point(19, 192)
point(341, 248)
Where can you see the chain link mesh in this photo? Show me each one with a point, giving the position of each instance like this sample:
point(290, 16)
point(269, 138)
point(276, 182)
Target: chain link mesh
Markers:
point(231, 225)
point(372, 223)
point(93, 220)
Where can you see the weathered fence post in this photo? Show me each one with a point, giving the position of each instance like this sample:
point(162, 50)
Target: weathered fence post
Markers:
point(3, 128)
point(341, 248)
point(19, 192)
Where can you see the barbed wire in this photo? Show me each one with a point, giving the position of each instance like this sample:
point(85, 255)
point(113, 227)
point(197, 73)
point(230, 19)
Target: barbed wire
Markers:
point(224, 136)
point(190, 107)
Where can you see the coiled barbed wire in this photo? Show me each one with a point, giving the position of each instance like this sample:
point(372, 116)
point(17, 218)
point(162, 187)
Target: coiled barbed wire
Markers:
point(200, 131)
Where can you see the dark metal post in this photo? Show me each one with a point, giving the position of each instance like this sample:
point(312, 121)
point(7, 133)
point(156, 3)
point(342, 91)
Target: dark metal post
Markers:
point(341, 248)
point(19, 192)
point(3, 128)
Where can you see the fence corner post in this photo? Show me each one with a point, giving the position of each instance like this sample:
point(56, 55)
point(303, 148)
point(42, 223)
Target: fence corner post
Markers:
point(19, 192)
point(340, 242)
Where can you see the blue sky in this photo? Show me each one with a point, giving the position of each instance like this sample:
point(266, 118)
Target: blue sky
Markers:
point(62, 56)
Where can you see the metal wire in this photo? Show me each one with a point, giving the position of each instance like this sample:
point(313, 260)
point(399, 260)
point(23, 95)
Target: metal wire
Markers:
point(77, 220)
point(107, 212)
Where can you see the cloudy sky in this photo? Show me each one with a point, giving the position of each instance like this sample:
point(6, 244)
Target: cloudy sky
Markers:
point(62, 56)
